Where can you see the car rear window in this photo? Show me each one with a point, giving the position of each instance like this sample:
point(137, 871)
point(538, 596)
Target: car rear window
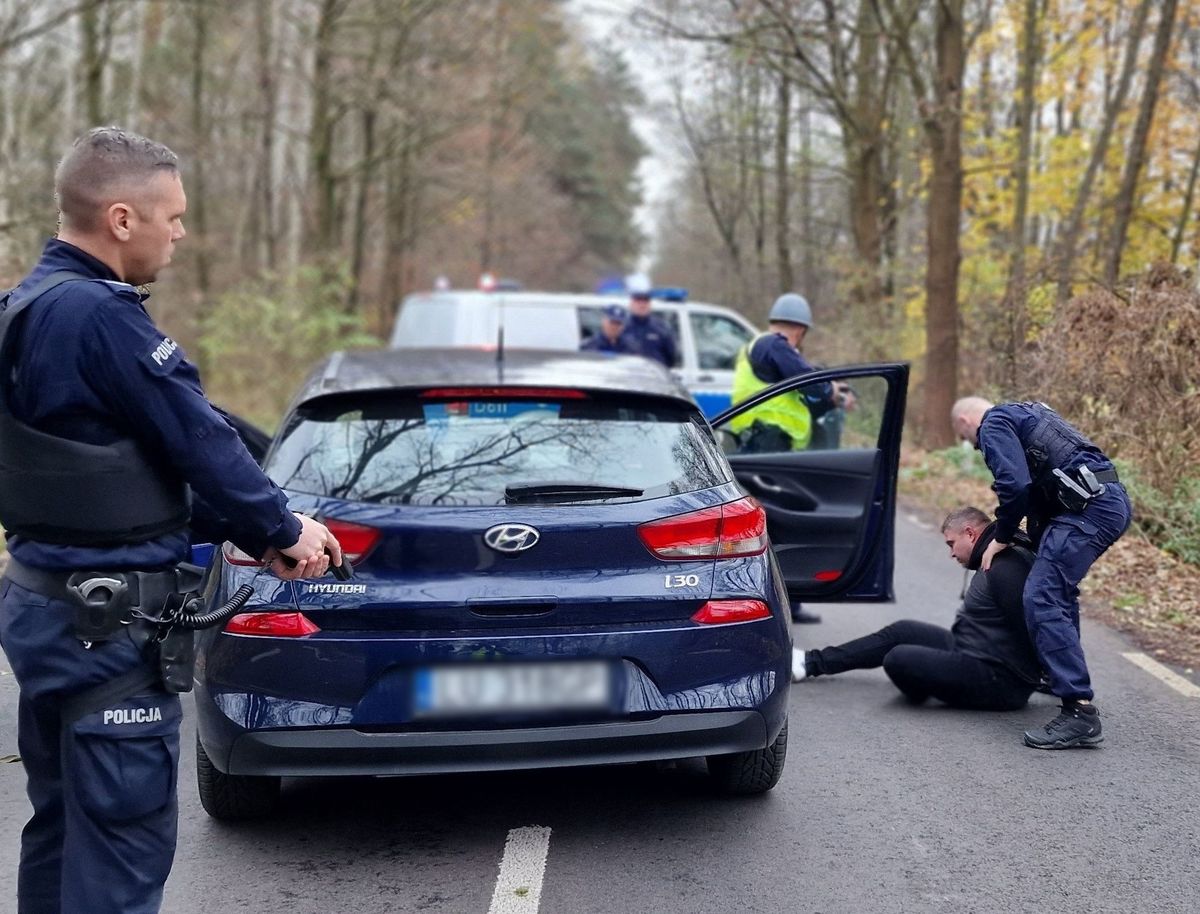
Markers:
point(471, 450)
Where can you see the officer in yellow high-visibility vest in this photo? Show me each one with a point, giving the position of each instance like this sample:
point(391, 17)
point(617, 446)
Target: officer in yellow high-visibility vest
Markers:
point(785, 422)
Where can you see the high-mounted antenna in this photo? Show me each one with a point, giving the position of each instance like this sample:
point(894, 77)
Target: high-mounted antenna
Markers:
point(500, 344)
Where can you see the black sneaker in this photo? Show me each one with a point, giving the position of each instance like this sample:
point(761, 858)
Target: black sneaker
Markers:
point(802, 617)
point(1076, 725)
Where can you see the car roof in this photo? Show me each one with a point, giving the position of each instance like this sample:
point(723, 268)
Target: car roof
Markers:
point(564, 299)
point(391, 369)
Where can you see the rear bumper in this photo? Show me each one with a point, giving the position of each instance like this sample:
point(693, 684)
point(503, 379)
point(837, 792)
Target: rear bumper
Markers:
point(345, 751)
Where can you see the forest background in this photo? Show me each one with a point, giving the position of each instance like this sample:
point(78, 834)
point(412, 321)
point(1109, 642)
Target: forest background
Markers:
point(1002, 192)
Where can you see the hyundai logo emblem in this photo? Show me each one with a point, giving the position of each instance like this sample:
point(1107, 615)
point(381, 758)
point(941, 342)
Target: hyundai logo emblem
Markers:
point(511, 537)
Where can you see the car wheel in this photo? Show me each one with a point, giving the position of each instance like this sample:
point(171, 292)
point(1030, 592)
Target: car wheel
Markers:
point(234, 796)
point(749, 773)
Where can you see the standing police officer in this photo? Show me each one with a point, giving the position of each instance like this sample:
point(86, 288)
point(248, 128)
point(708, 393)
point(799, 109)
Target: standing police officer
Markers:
point(785, 422)
point(1047, 472)
point(108, 450)
point(608, 337)
point(645, 334)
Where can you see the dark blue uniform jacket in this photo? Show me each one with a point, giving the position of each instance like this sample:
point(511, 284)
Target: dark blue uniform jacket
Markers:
point(598, 342)
point(1003, 435)
point(650, 337)
point(774, 359)
point(91, 366)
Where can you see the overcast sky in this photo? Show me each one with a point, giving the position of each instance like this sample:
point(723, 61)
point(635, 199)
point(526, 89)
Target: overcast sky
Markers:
point(606, 22)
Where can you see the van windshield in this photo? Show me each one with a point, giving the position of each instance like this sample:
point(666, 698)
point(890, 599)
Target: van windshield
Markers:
point(405, 450)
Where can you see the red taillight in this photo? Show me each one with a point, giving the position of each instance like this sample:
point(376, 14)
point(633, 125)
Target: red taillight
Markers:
point(727, 531)
point(503, 393)
point(274, 625)
point(826, 576)
point(725, 612)
point(356, 541)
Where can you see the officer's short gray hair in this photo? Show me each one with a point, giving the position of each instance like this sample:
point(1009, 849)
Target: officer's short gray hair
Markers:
point(102, 164)
point(962, 517)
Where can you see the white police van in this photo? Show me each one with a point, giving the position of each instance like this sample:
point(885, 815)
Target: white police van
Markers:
point(709, 335)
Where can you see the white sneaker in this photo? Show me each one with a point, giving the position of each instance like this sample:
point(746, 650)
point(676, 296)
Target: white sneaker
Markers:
point(798, 672)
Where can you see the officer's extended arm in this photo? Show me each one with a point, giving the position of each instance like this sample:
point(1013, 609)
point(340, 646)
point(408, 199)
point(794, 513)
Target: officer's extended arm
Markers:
point(159, 393)
point(1005, 457)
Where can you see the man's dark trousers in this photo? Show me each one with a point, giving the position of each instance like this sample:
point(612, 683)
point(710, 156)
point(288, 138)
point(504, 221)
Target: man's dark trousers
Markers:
point(102, 836)
point(1069, 546)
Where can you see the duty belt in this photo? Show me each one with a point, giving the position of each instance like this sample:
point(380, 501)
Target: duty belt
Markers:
point(143, 591)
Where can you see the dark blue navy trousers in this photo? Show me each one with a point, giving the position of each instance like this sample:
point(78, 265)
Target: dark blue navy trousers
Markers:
point(1070, 545)
point(103, 789)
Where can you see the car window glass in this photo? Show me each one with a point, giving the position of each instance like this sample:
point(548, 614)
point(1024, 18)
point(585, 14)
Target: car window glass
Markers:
point(468, 452)
point(590, 317)
point(717, 339)
point(831, 416)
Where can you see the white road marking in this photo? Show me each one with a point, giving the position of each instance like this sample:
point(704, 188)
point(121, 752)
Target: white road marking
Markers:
point(519, 887)
point(1157, 670)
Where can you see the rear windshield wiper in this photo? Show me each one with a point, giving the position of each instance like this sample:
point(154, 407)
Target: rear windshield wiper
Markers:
point(564, 491)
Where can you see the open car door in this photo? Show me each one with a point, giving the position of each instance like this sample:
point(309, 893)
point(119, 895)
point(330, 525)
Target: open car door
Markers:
point(830, 501)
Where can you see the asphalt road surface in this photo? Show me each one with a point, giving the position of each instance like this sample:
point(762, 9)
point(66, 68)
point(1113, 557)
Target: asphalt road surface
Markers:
point(883, 808)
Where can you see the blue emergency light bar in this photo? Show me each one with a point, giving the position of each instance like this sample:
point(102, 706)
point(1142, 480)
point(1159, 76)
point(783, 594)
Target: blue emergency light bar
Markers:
point(669, 293)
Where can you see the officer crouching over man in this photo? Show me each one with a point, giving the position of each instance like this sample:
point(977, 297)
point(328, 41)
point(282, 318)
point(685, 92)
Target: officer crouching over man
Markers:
point(1067, 490)
point(110, 458)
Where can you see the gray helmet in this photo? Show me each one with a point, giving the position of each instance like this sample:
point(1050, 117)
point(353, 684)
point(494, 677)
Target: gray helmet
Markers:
point(792, 308)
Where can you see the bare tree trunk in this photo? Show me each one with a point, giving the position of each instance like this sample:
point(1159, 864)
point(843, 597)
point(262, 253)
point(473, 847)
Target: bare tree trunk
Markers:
point(264, 15)
point(1014, 306)
point(783, 188)
point(1069, 246)
point(943, 129)
point(1135, 155)
point(91, 63)
point(199, 182)
point(864, 140)
point(365, 179)
point(323, 231)
point(1185, 209)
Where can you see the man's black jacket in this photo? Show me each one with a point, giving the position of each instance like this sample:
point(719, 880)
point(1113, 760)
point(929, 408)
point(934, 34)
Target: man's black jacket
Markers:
point(991, 623)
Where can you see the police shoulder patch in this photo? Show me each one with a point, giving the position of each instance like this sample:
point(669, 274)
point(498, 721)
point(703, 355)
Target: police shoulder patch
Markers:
point(163, 357)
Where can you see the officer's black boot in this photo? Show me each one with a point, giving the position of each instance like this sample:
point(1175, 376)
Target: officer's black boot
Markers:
point(801, 616)
point(1076, 725)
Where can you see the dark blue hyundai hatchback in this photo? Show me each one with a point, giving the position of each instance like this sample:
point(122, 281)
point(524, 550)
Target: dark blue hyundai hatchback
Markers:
point(558, 561)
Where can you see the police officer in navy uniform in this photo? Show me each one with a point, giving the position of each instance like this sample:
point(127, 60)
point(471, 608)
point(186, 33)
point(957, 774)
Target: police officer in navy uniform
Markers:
point(111, 453)
point(1047, 472)
point(787, 421)
point(646, 334)
point(807, 419)
point(608, 337)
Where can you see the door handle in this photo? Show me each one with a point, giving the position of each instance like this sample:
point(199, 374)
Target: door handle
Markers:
point(705, 378)
point(765, 483)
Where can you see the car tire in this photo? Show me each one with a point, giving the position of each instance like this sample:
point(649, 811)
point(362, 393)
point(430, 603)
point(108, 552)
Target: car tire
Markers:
point(232, 797)
point(748, 773)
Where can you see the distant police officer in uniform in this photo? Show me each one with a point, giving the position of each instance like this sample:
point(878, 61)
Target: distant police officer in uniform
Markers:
point(608, 338)
point(785, 422)
point(109, 452)
point(646, 334)
point(1047, 472)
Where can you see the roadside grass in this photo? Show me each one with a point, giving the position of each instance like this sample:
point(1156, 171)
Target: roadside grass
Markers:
point(1136, 587)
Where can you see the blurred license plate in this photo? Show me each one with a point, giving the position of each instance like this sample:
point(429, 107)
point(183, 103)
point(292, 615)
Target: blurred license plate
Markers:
point(512, 687)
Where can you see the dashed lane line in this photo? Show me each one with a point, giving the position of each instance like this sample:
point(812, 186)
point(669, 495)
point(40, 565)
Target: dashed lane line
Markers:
point(1158, 671)
point(519, 886)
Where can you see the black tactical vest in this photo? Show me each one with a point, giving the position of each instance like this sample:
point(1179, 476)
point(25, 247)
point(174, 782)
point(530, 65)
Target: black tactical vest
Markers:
point(1054, 444)
point(55, 490)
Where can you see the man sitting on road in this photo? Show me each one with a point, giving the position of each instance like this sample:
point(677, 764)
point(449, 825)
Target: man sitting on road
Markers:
point(984, 662)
